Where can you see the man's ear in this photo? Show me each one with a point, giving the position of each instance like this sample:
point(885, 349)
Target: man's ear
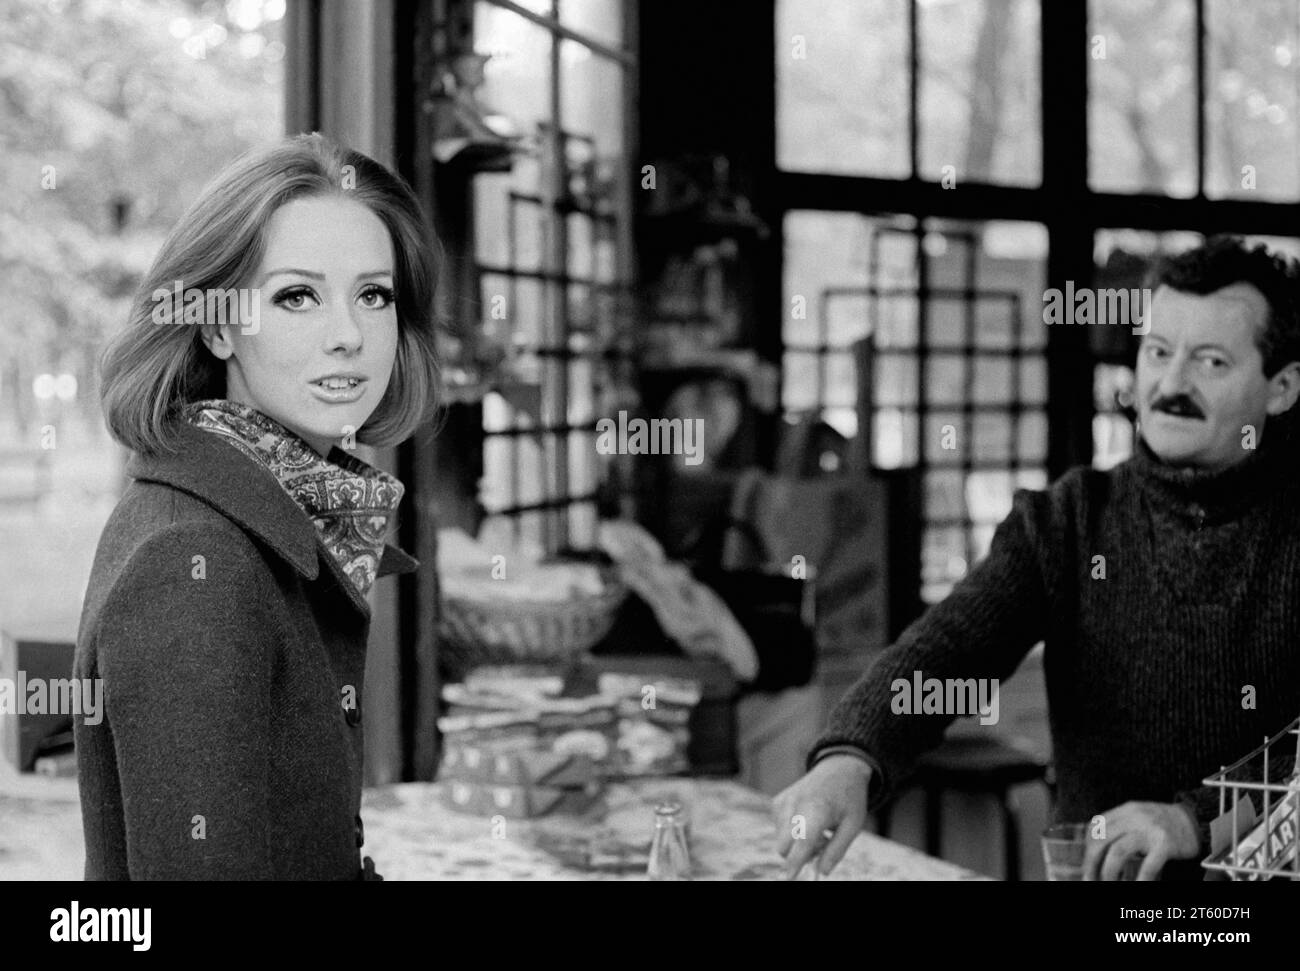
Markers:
point(1284, 388)
point(216, 337)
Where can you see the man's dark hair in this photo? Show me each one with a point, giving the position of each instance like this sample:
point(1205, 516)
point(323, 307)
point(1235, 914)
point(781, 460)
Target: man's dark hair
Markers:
point(1224, 260)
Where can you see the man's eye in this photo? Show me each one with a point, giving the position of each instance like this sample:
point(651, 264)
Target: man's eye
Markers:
point(291, 299)
point(1213, 363)
point(377, 297)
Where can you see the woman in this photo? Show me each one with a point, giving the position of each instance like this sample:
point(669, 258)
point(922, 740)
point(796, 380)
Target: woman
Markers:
point(287, 317)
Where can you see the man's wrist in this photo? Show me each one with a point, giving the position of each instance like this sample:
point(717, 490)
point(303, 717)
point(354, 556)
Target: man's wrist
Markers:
point(876, 778)
point(1194, 823)
point(843, 750)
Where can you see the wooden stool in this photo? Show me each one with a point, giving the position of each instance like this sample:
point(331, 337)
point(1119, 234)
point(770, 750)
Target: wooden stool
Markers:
point(983, 764)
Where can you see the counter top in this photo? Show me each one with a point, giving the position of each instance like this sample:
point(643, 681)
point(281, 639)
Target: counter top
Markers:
point(412, 835)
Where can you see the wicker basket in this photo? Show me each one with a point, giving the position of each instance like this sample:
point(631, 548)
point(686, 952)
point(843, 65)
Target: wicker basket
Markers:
point(478, 631)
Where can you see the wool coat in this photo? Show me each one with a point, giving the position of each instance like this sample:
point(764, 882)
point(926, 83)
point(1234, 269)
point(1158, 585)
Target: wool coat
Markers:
point(232, 650)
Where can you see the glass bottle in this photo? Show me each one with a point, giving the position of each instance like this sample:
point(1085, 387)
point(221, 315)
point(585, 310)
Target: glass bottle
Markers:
point(670, 857)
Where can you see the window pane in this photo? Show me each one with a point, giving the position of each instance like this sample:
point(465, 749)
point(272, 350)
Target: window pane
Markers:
point(841, 377)
point(947, 323)
point(822, 250)
point(1253, 54)
point(938, 432)
point(988, 495)
point(582, 392)
point(943, 561)
point(497, 491)
point(993, 380)
point(846, 316)
point(1033, 381)
point(582, 463)
point(517, 75)
point(895, 379)
point(894, 438)
point(799, 388)
point(1032, 444)
point(1141, 96)
point(945, 377)
point(600, 20)
point(943, 494)
point(508, 228)
point(979, 97)
point(842, 100)
point(592, 106)
point(994, 437)
point(583, 526)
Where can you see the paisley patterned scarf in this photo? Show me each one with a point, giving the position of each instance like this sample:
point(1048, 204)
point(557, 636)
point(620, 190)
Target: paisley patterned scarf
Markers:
point(348, 501)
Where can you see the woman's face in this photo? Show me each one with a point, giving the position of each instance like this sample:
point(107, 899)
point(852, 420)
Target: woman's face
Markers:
point(321, 357)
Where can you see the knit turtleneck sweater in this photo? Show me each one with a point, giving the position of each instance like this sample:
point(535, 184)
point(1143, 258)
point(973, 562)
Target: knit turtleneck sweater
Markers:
point(1168, 601)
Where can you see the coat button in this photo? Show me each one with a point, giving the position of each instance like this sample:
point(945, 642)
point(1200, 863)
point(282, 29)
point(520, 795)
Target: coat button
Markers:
point(361, 833)
point(353, 716)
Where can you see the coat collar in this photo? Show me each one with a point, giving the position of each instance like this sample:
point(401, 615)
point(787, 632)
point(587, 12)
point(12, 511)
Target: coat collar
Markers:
point(209, 469)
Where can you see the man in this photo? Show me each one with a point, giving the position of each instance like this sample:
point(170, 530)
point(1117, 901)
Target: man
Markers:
point(1166, 591)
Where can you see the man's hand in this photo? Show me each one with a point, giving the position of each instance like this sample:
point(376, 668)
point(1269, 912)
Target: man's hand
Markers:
point(1145, 835)
point(830, 799)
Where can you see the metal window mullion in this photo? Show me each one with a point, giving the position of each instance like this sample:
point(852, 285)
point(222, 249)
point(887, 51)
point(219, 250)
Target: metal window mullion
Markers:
point(544, 276)
point(512, 258)
point(557, 29)
point(556, 255)
point(1201, 40)
point(968, 396)
point(524, 431)
point(922, 358)
point(913, 88)
point(519, 509)
point(1017, 386)
point(823, 360)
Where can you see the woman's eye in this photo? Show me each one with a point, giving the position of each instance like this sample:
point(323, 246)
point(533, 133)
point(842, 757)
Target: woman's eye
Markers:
point(377, 297)
point(1156, 353)
point(291, 299)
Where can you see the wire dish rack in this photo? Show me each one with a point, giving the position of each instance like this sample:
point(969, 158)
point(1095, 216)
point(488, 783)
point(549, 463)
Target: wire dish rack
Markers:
point(1270, 848)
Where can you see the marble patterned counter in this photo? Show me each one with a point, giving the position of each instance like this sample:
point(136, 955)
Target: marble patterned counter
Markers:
point(412, 835)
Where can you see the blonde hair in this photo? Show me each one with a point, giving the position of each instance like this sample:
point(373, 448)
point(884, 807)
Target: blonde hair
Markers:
point(148, 371)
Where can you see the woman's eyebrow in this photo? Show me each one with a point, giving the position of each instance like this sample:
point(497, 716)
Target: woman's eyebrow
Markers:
point(318, 276)
point(290, 269)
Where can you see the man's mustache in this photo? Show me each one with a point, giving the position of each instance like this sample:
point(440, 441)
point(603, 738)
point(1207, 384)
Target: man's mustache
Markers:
point(1181, 405)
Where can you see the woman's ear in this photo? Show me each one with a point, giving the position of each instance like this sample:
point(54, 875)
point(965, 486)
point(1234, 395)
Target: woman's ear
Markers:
point(217, 339)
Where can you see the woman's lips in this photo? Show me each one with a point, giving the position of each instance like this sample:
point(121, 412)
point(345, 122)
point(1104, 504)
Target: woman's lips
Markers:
point(339, 391)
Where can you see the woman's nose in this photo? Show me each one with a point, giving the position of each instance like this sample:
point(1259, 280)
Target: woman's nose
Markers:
point(344, 333)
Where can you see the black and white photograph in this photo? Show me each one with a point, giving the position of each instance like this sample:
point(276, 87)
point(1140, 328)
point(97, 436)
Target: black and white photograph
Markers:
point(636, 441)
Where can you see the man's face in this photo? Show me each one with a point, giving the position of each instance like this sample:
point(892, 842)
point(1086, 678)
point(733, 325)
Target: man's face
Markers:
point(1200, 376)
